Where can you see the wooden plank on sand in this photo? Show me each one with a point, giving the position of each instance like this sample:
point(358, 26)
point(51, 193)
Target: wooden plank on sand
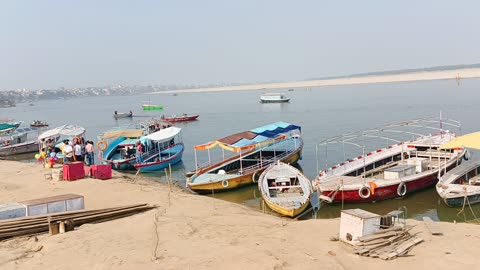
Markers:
point(432, 226)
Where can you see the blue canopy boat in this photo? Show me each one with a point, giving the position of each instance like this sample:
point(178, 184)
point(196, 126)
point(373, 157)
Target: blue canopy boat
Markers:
point(117, 147)
point(164, 148)
point(253, 151)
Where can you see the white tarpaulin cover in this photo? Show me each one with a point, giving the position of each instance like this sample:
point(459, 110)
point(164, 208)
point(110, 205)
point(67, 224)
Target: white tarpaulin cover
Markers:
point(164, 134)
point(65, 130)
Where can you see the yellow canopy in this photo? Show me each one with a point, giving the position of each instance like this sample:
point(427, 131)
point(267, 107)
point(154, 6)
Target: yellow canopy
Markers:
point(471, 140)
point(128, 133)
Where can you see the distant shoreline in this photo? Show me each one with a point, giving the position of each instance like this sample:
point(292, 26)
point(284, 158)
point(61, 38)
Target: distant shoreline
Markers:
point(453, 74)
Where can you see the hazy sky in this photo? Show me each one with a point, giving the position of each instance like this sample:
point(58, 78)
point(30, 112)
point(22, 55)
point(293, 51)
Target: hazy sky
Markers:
point(48, 44)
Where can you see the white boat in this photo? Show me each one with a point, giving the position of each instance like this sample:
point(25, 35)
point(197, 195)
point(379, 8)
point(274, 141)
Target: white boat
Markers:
point(413, 162)
point(285, 189)
point(461, 186)
point(274, 98)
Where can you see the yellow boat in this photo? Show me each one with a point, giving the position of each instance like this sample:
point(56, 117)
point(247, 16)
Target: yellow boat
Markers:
point(285, 189)
point(254, 150)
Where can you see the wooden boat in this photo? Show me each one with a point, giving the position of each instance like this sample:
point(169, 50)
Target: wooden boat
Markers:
point(254, 151)
point(21, 141)
point(38, 123)
point(274, 98)
point(461, 185)
point(117, 115)
point(393, 171)
point(285, 189)
point(184, 117)
point(165, 147)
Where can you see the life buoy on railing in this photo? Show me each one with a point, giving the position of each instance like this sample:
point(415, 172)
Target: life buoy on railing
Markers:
point(402, 189)
point(225, 183)
point(77, 139)
point(364, 192)
point(467, 155)
point(102, 145)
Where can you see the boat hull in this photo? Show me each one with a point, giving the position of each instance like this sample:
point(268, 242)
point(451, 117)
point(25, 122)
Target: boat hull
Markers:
point(386, 192)
point(122, 115)
point(21, 148)
point(241, 180)
point(275, 100)
point(284, 211)
point(180, 119)
point(156, 166)
point(152, 107)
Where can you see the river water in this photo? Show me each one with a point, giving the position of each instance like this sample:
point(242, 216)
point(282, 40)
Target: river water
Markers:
point(321, 112)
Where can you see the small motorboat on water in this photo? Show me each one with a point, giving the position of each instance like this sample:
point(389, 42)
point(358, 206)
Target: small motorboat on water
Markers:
point(39, 123)
point(285, 189)
point(183, 117)
point(117, 115)
point(274, 98)
point(148, 106)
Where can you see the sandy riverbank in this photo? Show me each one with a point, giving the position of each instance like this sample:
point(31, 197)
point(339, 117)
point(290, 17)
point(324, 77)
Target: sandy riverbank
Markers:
point(197, 232)
point(404, 77)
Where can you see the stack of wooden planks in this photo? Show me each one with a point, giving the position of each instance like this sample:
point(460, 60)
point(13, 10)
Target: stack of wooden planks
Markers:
point(388, 243)
point(32, 225)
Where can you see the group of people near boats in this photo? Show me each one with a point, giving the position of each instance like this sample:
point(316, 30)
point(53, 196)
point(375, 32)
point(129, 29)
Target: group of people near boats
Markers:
point(75, 149)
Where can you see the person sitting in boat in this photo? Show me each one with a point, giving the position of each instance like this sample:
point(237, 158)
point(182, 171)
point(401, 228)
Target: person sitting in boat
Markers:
point(116, 112)
point(131, 113)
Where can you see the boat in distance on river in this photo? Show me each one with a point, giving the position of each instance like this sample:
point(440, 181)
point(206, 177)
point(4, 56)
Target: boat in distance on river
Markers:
point(118, 115)
point(182, 118)
point(274, 98)
point(253, 151)
point(285, 189)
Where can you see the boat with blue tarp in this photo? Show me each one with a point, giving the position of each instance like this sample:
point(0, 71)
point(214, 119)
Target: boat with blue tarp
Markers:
point(251, 152)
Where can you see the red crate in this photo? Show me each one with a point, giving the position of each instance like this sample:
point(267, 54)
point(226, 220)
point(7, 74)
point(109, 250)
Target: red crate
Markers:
point(73, 171)
point(102, 171)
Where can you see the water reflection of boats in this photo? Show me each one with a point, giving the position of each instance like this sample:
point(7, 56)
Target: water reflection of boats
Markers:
point(256, 148)
point(394, 170)
point(285, 189)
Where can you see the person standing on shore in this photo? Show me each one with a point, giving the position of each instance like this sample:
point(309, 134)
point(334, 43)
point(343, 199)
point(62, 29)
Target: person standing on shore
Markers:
point(90, 153)
point(77, 149)
point(139, 153)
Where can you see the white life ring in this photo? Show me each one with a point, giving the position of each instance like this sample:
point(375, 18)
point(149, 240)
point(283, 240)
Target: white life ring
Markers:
point(364, 192)
point(225, 183)
point(402, 189)
point(253, 177)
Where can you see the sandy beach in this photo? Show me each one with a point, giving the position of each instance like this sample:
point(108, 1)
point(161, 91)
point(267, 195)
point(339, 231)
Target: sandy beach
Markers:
point(189, 231)
point(404, 77)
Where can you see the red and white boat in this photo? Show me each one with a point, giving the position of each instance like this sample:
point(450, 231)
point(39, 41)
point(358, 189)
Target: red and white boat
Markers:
point(183, 117)
point(392, 171)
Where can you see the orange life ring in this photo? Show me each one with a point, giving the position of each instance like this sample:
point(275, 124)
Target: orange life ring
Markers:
point(77, 139)
point(102, 145)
